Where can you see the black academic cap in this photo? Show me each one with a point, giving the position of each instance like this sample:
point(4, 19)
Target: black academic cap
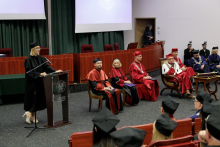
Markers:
point(34, 44)
point(96, 60)
point(204, 96)
point(115, 59)
point(195, 51)
point(105, 120)
point(205, 43)
point(208, 108)
point(169, 105)
point(215, 48)
point(213, 124)
point(128, 137)
point(165, 125)
point(190, 43)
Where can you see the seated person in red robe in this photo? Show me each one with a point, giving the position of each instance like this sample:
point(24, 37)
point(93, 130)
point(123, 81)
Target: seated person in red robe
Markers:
point(189, 70)
point(147, 87)
point(121, 82)
point(172, 68)
point(169, 106)
point(99, 85)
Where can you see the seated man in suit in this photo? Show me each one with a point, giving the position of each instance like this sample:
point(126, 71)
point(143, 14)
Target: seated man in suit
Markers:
point(169, 106)
point(199, 63)
point(172, 68)
point(147, 87)
point(188, 54)
point(214, 60)
point(198, 103)
point(204, 52)
point(99, 85)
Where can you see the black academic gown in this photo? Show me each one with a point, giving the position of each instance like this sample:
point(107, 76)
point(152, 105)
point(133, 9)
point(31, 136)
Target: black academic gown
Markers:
point(204, 54)
point(32, 103)
point(117, 80)
point(187, 55)
point(147, 41)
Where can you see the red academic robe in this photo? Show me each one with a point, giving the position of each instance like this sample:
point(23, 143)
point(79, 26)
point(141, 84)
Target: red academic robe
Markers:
point(147, 89)
point(101, 78)
point(183, 78)
point(118, 77)
point(189, 70)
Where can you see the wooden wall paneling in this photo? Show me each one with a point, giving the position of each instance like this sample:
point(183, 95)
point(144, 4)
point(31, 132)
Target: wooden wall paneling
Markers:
point(84, 62)
point(5, 67)
point(13, 66)
point(21, 68)
point(145, 56)
point(108, 62)
point(71, 68)
point(76, 65)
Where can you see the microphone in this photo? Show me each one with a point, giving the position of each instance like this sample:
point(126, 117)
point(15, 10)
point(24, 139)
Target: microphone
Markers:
point(48, 60)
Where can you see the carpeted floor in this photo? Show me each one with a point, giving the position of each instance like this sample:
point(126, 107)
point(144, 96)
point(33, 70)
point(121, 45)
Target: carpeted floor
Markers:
point(13, 133)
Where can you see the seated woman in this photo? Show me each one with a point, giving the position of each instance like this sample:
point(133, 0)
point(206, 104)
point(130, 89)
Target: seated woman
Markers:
point(214, 60)
point(163, 128)
point(172, 68)
point(121, 82)
point(104, 124)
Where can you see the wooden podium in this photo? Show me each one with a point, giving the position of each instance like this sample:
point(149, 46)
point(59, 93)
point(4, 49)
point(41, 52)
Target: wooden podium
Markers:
point(63, 88)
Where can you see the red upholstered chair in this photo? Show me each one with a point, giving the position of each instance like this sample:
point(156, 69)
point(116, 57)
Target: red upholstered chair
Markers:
point(116, 47)
point(44, 51)
point(108, 47)
point(186, 141)
point(6, 51)
point(86, 48)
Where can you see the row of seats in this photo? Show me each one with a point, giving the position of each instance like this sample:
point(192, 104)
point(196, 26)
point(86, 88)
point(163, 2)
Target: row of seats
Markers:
point(182, 134)
point(87, 48)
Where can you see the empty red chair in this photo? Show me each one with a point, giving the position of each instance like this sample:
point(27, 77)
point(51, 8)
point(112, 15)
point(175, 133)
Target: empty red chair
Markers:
point(108, 47)
point(86, 48)
point(116, 47)
point(6, 51)
point(44, 51)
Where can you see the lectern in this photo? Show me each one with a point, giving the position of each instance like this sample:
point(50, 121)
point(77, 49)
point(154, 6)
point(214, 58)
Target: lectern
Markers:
point(61, 87)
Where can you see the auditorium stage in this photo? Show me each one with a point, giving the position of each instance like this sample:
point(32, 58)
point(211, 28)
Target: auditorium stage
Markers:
point(12, 132)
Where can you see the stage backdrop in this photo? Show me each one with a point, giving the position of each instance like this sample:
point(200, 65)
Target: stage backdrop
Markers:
point(17, 34)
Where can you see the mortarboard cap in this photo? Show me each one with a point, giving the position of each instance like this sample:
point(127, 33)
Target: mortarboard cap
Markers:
point(195, 51)
point(137, 53)
point(174, 49)
point(205, 43)
point(213, 124)
point(34, 44)
point(169, 105)
point(128, 137)
point(96, 60)
point(214, 48)
point(204, 96)
point(208, 108)
point(165, 125)
point(105, 120)
point(169, 55)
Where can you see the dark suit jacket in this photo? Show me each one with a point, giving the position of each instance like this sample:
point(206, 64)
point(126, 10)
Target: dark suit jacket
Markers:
point(204, 54)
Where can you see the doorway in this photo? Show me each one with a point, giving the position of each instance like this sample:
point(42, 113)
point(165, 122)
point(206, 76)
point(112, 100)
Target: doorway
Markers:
point(140, 25)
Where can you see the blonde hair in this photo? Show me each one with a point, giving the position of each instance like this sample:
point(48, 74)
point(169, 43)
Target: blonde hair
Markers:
point(113, 64)
point(158, 136)
point(214, 51)
point(32, 52)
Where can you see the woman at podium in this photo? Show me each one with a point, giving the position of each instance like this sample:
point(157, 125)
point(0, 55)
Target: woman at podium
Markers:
point(34, 99)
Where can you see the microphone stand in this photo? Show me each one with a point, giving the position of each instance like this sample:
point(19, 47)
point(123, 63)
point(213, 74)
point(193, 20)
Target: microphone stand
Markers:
point(35, 124)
